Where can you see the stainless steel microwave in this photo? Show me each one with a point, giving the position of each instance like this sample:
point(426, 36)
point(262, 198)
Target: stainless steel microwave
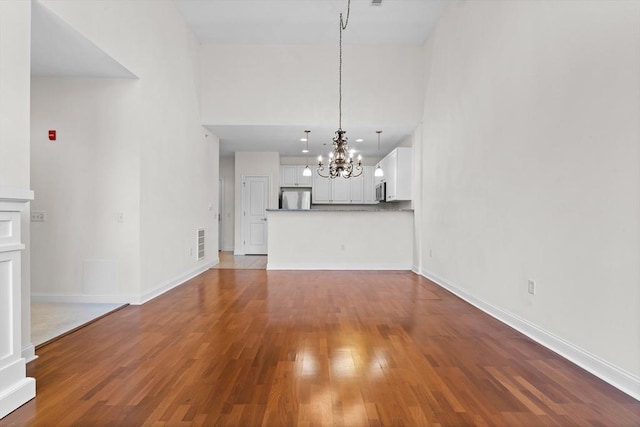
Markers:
point(381, 192)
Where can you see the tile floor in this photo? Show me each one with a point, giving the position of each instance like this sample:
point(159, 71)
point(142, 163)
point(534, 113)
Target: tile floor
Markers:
point(50, 320)
point(241, 262)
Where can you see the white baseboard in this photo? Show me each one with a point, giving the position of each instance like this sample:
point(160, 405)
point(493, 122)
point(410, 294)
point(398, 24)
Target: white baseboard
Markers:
point(125, 299)
point(331, 266)
point(617, 377)
point(172, 283)
point(16, 395)
point(82, 298)
point(15, 389)
point(29, 353)
point(238, 252)
point(228, 249)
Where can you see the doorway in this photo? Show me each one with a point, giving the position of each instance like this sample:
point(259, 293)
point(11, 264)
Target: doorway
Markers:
point(255, 201)
point(221, 214)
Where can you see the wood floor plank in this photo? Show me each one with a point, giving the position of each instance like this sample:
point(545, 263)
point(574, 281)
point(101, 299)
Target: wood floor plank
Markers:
point(300, 348)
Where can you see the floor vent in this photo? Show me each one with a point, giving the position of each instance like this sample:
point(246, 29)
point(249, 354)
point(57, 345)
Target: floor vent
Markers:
point(376, 2)
point(200, 243)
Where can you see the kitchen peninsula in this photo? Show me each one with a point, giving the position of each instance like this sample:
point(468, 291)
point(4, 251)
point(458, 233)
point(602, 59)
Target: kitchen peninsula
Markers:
point(340, 239)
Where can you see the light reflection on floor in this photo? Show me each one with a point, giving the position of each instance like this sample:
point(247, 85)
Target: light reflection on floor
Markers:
point(348, 367)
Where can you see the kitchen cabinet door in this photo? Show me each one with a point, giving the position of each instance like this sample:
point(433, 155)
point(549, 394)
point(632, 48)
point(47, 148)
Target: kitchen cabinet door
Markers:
point(321, 193)
point(291, 176)
point(341, 190)
point(404, 173)
point(369, 187)
point(304, 181)
point(398, 174)
point(391, 165)
point(288, 176)
point(357, 189)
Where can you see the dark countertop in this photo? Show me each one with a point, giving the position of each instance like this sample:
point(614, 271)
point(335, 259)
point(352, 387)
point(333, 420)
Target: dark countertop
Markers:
point(340, 210)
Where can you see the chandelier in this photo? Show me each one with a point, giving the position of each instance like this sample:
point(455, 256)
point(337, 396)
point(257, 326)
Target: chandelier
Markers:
point(341, 162)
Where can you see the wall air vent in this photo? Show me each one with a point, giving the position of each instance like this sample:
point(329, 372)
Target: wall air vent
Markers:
point(376, 2)
point(200, 243)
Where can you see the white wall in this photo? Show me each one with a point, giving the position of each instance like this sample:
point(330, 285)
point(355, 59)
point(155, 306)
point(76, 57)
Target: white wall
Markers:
point(254, 164)
point(293, 85)
point(227, 172)
point(83, 180)
point(530, 171)
point(178, 164)
point(15, 60)
point(15, 65)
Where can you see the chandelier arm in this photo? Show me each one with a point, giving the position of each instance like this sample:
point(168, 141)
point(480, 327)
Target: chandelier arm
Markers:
point(358, 168)
point(321, 169)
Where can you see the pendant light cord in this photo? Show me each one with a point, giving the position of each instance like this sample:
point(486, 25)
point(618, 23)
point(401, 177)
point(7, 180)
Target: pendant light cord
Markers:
point(343, 26)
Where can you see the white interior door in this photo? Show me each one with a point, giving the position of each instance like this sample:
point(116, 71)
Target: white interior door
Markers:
point(255, 201)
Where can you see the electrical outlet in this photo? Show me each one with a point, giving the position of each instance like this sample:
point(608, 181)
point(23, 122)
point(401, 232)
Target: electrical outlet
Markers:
point(38, 216)
point(531, 287)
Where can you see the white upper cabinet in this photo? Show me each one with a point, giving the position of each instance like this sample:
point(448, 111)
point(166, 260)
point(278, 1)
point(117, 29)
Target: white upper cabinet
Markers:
point(341, 190)
point(291, 176)
point(321, 192)
point(368, 186)
point(359, 190)
point(397, 168)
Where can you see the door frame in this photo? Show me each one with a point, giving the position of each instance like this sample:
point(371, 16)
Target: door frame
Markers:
point(243, 205)
point(221, 222)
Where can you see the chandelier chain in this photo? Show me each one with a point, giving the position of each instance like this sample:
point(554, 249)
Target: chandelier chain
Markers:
point(343, 26)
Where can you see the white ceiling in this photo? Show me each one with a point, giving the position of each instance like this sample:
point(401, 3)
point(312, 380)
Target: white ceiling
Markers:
point(57, 49)
point(60, 50)
point(310, 22)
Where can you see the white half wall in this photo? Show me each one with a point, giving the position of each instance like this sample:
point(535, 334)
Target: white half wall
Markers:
point(340, 240)
point(530, 169)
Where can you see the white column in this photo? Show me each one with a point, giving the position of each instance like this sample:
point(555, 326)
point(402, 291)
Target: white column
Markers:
point(15, 388)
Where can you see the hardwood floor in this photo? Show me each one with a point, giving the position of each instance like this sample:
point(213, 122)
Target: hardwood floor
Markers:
point(274, 348)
